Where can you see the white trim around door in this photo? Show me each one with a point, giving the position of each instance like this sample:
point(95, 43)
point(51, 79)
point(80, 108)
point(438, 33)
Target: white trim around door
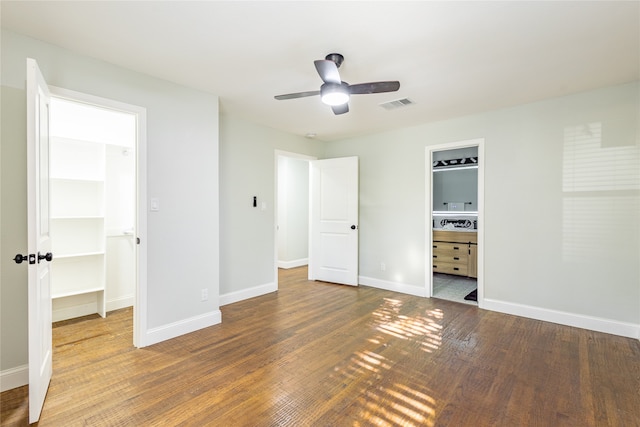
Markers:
point(140, 329)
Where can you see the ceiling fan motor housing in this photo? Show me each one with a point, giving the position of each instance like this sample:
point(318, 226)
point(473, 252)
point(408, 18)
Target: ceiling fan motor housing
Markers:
point(335, 57)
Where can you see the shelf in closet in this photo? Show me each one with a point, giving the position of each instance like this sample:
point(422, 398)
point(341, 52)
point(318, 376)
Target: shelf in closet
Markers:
point(75, 275)
point(74, 217)
point(76, 180)
point(78, 292)
point(77, 194)
point(80, 254)
point(87, 197)
point(77, 235)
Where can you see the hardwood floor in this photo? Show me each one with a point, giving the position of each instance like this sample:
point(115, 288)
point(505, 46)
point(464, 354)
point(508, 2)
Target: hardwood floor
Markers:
point(318, 354)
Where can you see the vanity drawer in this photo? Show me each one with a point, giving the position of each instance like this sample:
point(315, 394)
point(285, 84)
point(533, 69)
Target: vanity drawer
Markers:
point(450, 268)
point(457, 257)
point(448, 249)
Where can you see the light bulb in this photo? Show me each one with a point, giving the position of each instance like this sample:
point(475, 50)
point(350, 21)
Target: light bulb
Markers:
point(334, 94)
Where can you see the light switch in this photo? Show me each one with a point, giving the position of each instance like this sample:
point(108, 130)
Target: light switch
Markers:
point(155, 204)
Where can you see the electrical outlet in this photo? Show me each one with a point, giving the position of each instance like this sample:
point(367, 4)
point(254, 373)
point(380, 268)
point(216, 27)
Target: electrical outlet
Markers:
point(205, 295)
point(383, 266)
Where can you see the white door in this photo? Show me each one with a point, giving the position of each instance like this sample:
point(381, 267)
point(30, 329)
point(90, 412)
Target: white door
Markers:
point(333, 229)
point(39, 241)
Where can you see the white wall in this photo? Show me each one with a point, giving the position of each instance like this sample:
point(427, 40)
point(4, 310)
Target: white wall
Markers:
point(120, 218)
point(247, 234)
point(13, 228)
point(293, 212)
point(562, 230)
point(182, 159)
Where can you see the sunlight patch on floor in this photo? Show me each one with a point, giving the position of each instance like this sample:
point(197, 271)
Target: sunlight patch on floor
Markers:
point(384, 399)
point(397, 405)
point(425, 329)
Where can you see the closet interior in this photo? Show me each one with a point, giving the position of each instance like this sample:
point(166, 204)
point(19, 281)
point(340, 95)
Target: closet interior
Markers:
point(92, 190)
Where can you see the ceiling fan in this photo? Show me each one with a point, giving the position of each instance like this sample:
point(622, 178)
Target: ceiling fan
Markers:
point(335, 92)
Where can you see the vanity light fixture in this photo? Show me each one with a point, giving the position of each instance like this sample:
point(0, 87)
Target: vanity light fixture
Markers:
point(453, 164)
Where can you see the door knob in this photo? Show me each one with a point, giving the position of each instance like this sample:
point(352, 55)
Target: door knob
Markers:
point(20, 258)
point(48, 256)
point(353, 227)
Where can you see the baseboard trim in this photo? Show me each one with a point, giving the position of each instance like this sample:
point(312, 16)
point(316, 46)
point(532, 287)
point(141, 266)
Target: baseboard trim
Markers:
point(293, 264)
point(80, 310)
point(418, 291)
point(122, 302)
point(74, 311)
point(244, 294)
point(175, 329)
point(598, 324)
point(14, 377)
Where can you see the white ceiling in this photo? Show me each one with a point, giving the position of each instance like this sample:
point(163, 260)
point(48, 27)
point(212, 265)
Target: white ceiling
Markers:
point(451, 58)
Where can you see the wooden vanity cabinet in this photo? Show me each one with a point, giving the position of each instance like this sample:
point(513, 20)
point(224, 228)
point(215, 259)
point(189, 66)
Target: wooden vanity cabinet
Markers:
point(472, 270)
point(455, 252)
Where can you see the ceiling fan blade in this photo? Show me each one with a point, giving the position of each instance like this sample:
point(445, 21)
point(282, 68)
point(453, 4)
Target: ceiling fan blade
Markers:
point(328, 71)
point(374, 87)
point(340, 109)
point(297, 95)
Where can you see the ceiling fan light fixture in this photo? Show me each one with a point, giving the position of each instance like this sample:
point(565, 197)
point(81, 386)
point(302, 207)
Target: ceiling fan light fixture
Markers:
point(334, 94)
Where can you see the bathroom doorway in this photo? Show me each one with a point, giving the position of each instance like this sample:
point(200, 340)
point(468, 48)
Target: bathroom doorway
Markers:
point(454, 228)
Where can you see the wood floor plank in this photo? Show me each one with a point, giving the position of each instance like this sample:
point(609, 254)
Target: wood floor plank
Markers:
point(320, 354)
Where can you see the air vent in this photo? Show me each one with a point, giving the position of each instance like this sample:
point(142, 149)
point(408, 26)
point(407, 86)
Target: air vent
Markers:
point(398, 103)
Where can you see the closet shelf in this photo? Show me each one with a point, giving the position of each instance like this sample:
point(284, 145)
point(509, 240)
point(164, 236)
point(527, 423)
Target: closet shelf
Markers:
point(77, 179)
point(77, 255)
point(77, 292)
point(75, 217)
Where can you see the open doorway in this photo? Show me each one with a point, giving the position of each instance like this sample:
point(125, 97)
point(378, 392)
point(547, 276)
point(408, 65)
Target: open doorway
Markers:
point(95, 187)
point(292, 210)
point(455, 223)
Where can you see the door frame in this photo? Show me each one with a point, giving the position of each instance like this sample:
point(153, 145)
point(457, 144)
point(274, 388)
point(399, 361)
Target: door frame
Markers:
point(140, 293)
point(429, 150)
point(277, 154)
